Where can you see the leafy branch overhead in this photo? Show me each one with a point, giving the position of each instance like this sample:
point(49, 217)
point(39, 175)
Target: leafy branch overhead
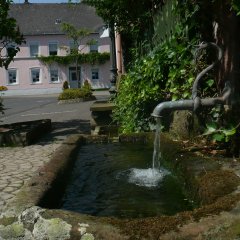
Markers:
point(10, 35)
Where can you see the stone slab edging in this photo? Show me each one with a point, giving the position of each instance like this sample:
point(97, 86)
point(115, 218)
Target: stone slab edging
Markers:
point(27, 221)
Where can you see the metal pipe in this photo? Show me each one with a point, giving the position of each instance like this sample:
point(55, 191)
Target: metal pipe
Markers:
point(172, 105)
point(189, 104)
point(204, 71)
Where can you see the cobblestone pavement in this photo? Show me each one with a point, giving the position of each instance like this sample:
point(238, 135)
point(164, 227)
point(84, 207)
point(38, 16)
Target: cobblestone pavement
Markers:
point(18, 164)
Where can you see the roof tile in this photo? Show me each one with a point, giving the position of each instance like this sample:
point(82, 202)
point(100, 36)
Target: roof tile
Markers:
point(45, 18)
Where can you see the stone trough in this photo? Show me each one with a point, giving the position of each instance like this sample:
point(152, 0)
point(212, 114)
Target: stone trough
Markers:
point(212, 183)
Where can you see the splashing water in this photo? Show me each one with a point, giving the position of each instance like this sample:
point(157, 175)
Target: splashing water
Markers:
point(147, 177)
point(150, 177)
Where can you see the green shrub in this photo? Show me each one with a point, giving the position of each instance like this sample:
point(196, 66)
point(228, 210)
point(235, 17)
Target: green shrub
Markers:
point(65, 85)
point(87, 88)
point(166, 73)
point(75, 94)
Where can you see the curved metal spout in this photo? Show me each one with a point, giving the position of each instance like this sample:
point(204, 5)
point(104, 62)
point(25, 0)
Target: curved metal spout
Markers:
point(196, 102)
point(207, 69)
point(190, 104)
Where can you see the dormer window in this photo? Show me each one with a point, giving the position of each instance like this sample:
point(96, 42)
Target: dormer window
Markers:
point(58, 21)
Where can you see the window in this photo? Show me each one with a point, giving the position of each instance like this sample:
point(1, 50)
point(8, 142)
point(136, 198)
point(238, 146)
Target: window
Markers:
point(53, 48)
point(94, 47)
point(54, 75)
point(12, 76)
point(34, 49)
point(95, 74)
point(35, 75)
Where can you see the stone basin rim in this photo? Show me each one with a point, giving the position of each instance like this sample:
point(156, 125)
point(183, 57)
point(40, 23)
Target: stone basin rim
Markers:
point(35, 190)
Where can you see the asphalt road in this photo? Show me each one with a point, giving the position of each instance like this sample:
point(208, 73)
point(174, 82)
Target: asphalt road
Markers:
point(28, 108)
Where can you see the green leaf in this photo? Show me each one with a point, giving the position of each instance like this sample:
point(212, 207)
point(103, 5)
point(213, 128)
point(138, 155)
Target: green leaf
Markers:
point(174, 97)
point(183, 71)
point(186, 94)
point(229, 132)
point(210, 82)
point(211, 127)
point(218, 137)
point(190, 80)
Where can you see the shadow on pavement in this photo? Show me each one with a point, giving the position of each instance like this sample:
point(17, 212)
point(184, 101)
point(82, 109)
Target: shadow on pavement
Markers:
point(60, 130)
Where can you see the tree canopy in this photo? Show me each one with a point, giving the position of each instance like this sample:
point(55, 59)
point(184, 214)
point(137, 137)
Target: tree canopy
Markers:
point(10, 35)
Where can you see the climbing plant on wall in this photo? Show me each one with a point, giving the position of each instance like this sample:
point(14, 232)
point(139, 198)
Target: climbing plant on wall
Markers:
point(91, 58)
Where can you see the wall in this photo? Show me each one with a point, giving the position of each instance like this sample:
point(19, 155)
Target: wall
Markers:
point(23, 63)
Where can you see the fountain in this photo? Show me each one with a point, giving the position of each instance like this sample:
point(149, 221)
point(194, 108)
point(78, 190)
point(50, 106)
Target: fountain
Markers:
point(200, 174)
point(194, 104)
point(149, 178)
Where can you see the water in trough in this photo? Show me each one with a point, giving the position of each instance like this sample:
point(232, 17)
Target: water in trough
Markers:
point(119, 179)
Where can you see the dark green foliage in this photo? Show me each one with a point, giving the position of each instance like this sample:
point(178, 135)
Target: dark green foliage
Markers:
point(9, 35)
point(236, 6)
point(87, 86)
point(133, 19)
point(65, 85)
point(166, 73)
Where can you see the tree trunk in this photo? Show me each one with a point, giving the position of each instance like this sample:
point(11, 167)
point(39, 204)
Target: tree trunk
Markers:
point(228, 38)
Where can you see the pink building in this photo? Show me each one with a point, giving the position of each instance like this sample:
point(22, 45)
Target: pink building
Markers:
point(41, 27)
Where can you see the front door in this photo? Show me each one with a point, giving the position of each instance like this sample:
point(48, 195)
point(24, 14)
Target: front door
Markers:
point(74, 82)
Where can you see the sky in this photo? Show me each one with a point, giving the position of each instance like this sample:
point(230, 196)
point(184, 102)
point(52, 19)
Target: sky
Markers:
point(42, 1)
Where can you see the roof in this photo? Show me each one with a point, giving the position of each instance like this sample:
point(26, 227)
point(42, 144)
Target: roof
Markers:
point(46, 18)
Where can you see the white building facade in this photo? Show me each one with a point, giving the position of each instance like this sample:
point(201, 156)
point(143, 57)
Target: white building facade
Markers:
point(40, 24)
